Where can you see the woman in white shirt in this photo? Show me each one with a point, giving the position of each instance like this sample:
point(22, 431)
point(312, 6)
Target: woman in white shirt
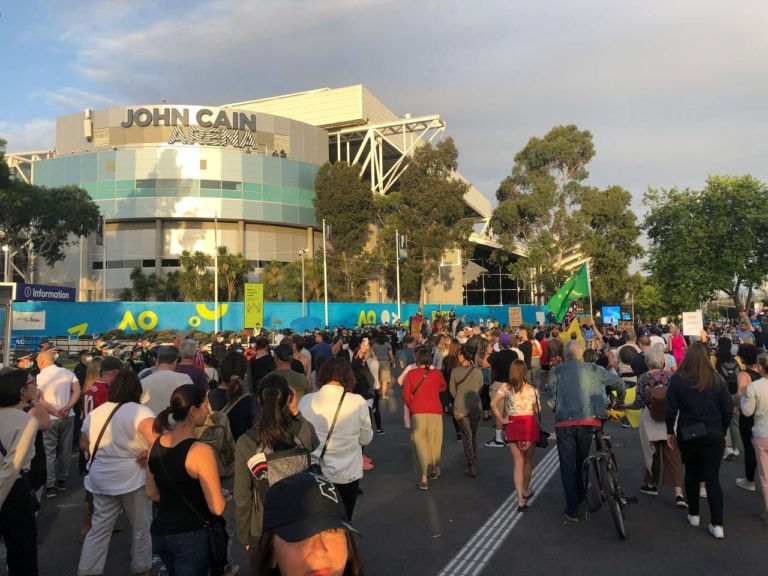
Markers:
point(117, 473)
point(17, 448)
point(339, 456)
point(754, 402)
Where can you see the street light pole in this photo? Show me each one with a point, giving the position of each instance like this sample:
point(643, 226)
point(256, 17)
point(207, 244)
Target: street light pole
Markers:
point(215, 273)
point(302, 253)
point(397, 267)
point(6, 263)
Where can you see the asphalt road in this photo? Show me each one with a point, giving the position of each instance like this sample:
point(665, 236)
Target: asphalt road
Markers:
point(446, 530)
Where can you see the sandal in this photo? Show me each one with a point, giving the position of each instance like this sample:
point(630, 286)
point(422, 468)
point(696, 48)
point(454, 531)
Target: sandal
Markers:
point(529, 495)
point(423, 486)
point(522, 508)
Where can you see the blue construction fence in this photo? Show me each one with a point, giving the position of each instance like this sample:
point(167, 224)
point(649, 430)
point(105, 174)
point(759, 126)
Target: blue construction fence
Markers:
point(61, 319)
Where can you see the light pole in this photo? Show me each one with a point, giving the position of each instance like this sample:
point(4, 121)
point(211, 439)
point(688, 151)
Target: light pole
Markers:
point(6, 263)
point(303, 252)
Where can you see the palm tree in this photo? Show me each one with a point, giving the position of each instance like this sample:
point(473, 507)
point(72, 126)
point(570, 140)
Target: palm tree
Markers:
point(233, 270)
point(195, 281)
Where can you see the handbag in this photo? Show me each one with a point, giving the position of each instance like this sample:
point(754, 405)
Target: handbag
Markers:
point(698, 429)
point(99, 437)
point(406, 409)
point(215, 528)
point(317, 467)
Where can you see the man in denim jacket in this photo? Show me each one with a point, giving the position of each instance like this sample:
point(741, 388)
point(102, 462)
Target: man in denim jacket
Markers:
point(580, 399)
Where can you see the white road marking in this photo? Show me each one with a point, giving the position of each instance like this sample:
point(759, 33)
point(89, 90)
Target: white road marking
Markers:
point(478, 551)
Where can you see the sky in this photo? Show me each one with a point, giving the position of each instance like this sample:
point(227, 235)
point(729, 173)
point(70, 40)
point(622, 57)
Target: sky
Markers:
point(671, 91)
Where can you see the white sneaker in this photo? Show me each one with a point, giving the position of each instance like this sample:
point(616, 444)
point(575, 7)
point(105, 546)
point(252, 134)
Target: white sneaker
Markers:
point(717, 531)
point(693, 520)
point(745, 484)
point(728, 453)
point(736, 452)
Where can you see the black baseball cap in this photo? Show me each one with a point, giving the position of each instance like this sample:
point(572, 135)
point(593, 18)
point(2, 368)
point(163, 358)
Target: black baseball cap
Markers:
point(302, 505)
point(284, 352)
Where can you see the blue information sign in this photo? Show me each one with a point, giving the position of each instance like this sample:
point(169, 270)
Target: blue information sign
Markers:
point(43, 293)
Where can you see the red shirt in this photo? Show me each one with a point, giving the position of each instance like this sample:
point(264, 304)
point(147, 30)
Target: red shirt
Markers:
point(544, 357)
point(95, 396)
point(427, 398)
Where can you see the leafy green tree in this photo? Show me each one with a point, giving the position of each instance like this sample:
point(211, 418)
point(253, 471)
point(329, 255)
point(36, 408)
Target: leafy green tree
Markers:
point(39, 223)
point(346, 203)
point(537, 203)
point(195, 280)
point(272, 277)
point(233, 272)
point(702, 242)
point(429, 210)
point(647, 298)
point(610, 241)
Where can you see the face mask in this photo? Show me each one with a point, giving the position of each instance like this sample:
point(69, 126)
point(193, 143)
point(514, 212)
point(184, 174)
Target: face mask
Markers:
point(219, 339)
point(55, 357)
point(88, 359)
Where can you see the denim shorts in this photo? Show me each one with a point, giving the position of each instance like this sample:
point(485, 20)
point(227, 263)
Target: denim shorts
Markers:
point(184, 554)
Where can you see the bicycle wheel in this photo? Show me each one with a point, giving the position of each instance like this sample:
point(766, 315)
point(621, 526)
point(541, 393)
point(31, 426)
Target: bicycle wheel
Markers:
point(592, 488)
point(613, 498)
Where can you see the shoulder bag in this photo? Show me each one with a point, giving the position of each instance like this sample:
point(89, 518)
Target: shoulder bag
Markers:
point(406, 409)
point(317, 468)
point(697, 429)
point(215, 527)
point(101, 435)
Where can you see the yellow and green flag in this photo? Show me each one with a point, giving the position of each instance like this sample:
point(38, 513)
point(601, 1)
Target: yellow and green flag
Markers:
point(577, 286)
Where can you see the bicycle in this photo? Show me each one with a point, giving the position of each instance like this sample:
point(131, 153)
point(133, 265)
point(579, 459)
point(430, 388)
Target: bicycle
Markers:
point(601, 482)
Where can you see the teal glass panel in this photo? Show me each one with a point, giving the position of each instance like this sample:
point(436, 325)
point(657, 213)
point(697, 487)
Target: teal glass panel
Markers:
point(307, 173)
point(307, 216)
point(290, 214)
point(273, 193)
point(57, 170)
point(125, 184)
point(232, 194)
point(290, 195)
point(252, 187)
point(102, 186)
point(208, 193)
point(289, 170)
point(125, 193)
point(106, 160)
point(273, 212)
point(145, 192)
point(307, 198)
point(253, 211)
point(253, 167)
point(72, 170)
point(166, 192)
point(272, 170)
point(249, 195)
point(89, 187)
point(104, 195)
point(88, 168)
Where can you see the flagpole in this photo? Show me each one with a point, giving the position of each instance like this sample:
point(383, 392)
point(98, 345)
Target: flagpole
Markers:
point(325, 275)
point(589, 289)
point(397, 267)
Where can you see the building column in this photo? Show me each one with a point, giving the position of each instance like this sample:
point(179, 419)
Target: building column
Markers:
point(311, 242)
point(241, 236)
point(158, 246)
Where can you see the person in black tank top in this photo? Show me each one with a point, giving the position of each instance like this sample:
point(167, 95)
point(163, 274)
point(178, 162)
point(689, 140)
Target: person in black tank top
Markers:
point(748, 353)
point(179, 467)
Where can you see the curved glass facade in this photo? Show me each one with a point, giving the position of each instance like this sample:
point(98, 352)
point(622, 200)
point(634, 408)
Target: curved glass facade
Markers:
point(188, 182)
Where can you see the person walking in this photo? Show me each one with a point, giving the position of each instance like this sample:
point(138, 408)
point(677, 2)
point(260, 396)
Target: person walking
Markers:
point(182, 477)
point(653, 432)
point(280, 427)
point(465, 384)
point(754, 404)
point(115, 437)
point(520, 402)
point(580, 400)
point(699, 410)
point(421, 394)
point(17, 448)
point(748, 355)
point(343, 425)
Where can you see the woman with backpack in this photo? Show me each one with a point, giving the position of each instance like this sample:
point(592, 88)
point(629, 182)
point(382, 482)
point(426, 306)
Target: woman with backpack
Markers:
point(280, 429)
point(726, 365)
point(230, 398)
point(651, 396)
point(748, 354)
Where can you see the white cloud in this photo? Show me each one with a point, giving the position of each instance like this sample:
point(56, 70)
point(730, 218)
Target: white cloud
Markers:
point(28, 136)
point(75, 98)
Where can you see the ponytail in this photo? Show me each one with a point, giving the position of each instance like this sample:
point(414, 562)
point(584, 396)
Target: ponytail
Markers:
point(182, 400)
point(274, 426)
point(234, 388)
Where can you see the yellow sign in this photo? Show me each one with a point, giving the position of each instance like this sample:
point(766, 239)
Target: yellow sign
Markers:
point(254, 305)
point(515, 316)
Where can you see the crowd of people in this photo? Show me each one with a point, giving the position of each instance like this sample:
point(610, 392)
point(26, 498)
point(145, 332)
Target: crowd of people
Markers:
point(263, 437)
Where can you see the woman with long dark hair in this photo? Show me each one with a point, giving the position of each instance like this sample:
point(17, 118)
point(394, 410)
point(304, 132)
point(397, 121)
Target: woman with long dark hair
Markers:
point(699, 405)
point(727, 367)
point(339, 452)
point(280, 427)
point(183, 479)
point(465, 384)
point(450, 361)
point(231, 398)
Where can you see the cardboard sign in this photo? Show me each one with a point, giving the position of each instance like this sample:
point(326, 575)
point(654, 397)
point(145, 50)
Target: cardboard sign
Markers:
point(416, 327)
point(692, 323)
point(515, 316)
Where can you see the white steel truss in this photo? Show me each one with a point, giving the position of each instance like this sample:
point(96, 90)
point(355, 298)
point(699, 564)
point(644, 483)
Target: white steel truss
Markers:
point(21, 163)
point(366, 146)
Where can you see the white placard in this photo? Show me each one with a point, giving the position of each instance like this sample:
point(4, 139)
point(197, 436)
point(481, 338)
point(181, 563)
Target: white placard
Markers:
point(29, 320)
point(692, 323)
point(540, 318)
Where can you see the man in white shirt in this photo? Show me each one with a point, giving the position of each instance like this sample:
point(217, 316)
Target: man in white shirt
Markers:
point(61, 389)
point(159, 386)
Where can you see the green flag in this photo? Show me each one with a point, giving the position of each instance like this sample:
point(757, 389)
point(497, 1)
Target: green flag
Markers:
point(577, 286)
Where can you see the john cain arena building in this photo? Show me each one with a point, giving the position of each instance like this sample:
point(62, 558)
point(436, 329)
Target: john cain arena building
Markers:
point(169, 178)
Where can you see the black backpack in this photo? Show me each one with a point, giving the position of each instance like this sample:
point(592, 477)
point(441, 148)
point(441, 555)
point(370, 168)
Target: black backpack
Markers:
point(730, 371)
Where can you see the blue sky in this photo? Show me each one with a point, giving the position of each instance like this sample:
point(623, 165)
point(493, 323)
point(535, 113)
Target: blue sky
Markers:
point(672, 91)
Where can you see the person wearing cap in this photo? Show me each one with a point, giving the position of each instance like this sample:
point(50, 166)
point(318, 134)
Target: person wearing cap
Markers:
point(25, 360)
point(284, 356)
point(96, 394)
point(306, 531)
point(80, 369)
point(61, 389)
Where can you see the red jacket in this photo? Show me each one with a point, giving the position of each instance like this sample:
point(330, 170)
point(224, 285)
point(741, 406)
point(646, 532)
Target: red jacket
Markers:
point(427, 398)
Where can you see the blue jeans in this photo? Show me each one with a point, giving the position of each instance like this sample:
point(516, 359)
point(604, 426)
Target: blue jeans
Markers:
point(184, 554)
point(573, 444)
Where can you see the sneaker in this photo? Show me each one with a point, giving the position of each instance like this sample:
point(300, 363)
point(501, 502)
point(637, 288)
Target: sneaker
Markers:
point(693, 520)
point(649, 489)
point(495, 444)
point(423, 486)
point(380, 431)
point(680, 501)
point(717, 531)
point(435, 474)
point(728, 453)
point(736, 452)
point(458, 437)
point(571, 517)
point(745, 484)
